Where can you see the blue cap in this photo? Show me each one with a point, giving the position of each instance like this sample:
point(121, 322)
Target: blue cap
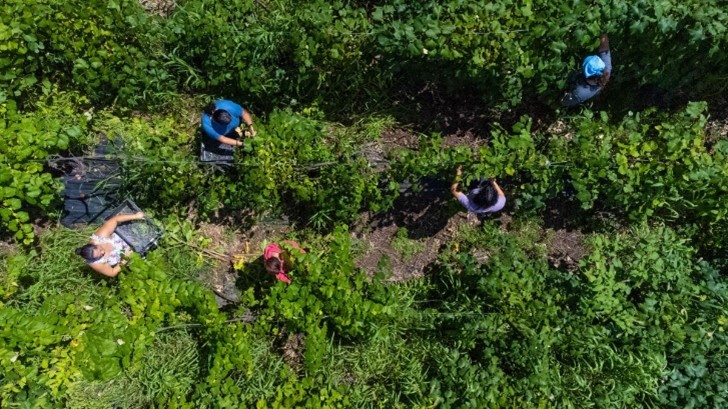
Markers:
point(593, 65)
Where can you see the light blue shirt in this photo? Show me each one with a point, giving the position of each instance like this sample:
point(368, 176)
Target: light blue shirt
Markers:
point(215, 130)
point(583, 91)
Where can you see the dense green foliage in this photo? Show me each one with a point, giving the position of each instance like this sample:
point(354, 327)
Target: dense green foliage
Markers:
point(647, 165)
point(305, 167)
point(639, 320)
point(608, 334)
point(106, 49)
point(28, 139)
point(287, 52)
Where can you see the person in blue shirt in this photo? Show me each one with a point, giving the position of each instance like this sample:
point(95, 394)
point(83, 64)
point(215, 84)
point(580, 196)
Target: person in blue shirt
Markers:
point(221, 121)
point(596, 70)
point(488, 197)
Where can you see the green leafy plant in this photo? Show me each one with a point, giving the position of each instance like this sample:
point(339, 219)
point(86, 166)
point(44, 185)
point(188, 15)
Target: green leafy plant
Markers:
point(405, 246)
point(110, 50)
point(30, 138)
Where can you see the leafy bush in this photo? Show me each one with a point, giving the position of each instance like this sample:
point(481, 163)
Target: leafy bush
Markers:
point(312, 168)
point(271, 55)
point(331, 52)
point(515, 329)
point(107, 49)
point(646, 165)
point(309, 169)
point(29, 139)
point(328, 287)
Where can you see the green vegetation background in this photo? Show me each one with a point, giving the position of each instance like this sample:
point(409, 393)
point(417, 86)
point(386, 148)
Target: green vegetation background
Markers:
point(640, 322)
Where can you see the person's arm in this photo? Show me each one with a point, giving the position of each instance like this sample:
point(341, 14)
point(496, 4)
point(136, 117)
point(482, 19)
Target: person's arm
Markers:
point(454, 186)
point(497, 188)
point(295, 245)
point(229, 141)
point(460, 196)
point(603, 43)
point(109, 226)
point(249, 121)
point(606, 56)
point(105, 269)
point(283, 277)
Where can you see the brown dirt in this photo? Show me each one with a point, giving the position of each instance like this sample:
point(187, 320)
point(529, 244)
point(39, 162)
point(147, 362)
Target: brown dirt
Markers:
point(407, 139)
point(159, 7)
point(292, 350)
point(7, 248)
point(400, 138)
point(228, 246)
point(566, 248)
point(428, 218)
point(716, 130)
point(466, 138)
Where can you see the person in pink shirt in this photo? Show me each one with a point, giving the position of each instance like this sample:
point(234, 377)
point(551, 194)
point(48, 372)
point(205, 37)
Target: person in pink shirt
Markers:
point(278, 261)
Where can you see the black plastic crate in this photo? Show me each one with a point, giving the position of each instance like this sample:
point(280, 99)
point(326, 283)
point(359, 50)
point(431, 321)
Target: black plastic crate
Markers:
point(215, 152)
point(140, 235)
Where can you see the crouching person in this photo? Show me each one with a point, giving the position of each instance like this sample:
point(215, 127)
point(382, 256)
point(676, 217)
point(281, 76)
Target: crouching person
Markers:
point(104, 251)
point(596, 70)
point(278, 262)
point(221, 121)
point(488, 197)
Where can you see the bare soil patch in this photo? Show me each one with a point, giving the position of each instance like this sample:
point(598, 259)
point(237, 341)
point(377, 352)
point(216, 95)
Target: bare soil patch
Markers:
point(566, 248)
point(7, 247)
point(399, 138)
point(158, 7)
point(292, 349)
point(230, 246)
point(431, 219)
point(466, 138)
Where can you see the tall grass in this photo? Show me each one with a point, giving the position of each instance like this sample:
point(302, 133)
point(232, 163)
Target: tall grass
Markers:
point(54, 269)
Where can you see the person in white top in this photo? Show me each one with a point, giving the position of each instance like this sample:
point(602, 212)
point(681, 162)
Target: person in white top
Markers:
point(104, 251)
point(488, 197)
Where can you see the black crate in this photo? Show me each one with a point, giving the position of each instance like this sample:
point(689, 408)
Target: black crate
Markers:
point(140, 235)
point(215, 152)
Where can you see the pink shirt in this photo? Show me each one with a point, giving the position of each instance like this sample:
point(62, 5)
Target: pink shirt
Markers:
point(274, 248)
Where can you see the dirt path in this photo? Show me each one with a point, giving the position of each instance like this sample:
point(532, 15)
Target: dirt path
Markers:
point(236, 247)
point(159, 7)
point(405, 241)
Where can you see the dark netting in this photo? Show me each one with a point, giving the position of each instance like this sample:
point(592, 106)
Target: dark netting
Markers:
point(90, 186)
point(141, 235)
point(212, 151)
point(87, 211)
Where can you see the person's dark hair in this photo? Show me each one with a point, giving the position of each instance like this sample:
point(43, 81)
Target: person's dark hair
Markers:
point(221, 116)
point(86, 251)
point(273, 263)
point(486, 197)
point(209, 108)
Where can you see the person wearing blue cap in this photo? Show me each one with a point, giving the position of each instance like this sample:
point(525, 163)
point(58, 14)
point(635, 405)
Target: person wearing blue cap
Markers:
point(221, 121)
point(593, 77)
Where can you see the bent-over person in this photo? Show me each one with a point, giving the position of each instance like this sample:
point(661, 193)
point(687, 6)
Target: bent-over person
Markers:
point(105, 250)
